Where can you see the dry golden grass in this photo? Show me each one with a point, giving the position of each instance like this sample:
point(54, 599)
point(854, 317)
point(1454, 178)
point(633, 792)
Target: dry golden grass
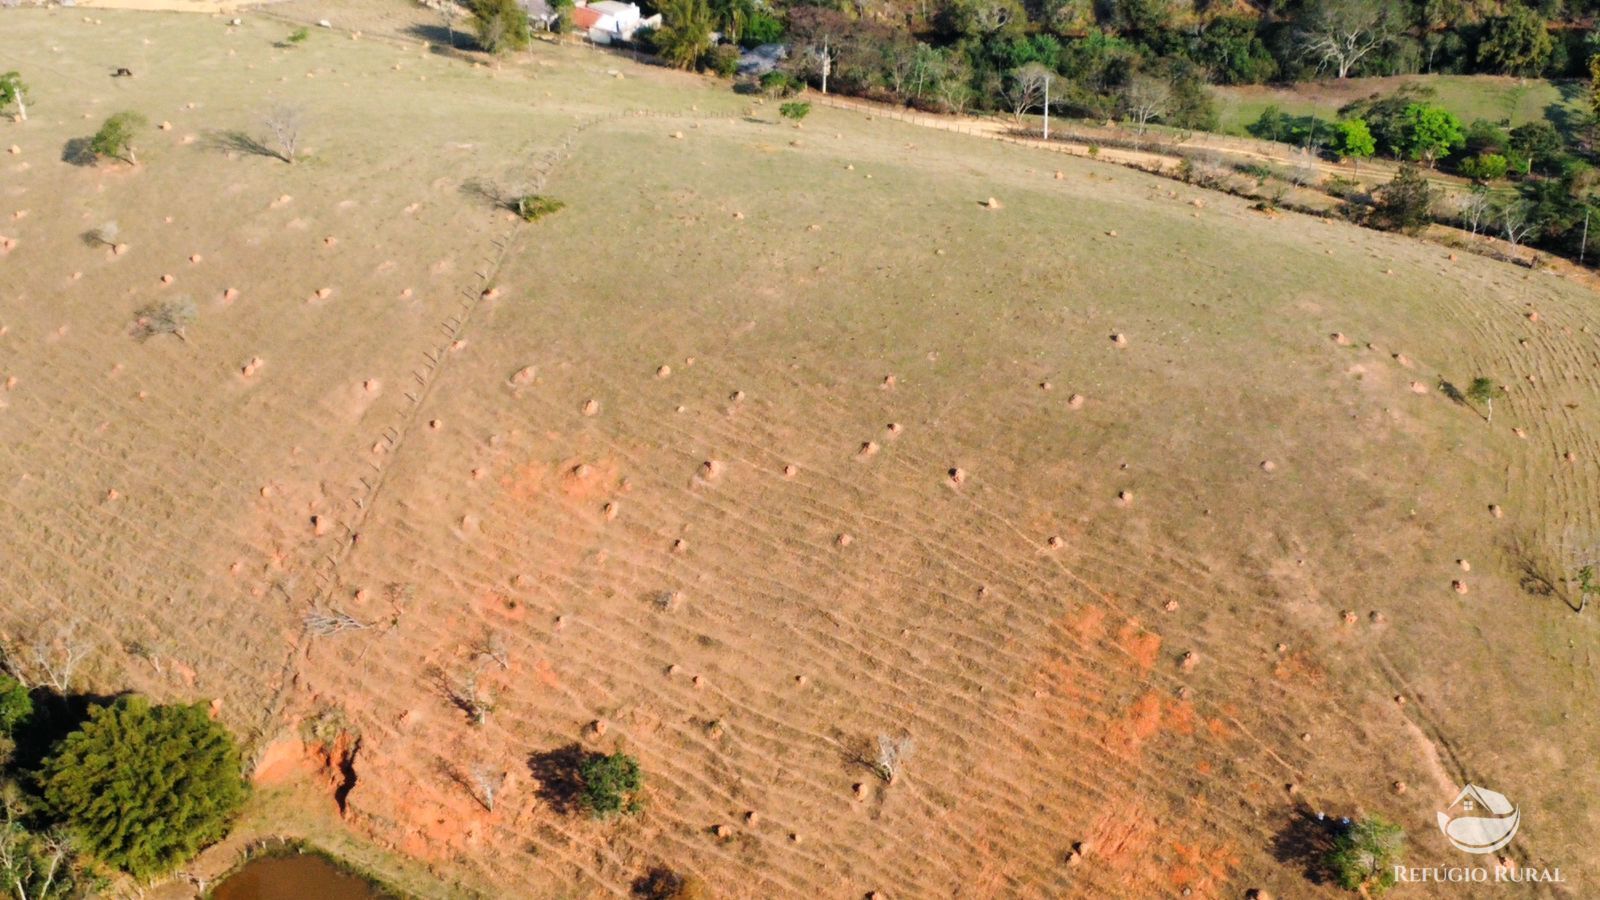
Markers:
point(609, 462)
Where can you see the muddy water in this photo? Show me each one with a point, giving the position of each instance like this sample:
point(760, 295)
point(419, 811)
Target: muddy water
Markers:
point(298, 877)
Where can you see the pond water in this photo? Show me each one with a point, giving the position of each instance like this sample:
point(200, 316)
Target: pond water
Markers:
point(296, 877)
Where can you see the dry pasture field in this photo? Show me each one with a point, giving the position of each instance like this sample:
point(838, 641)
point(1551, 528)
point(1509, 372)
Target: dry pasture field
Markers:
point(1139, 513)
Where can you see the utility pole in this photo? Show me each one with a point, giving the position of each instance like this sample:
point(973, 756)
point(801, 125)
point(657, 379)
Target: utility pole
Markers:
point(1583, 247)
point(827, 64)
point(1047, 108)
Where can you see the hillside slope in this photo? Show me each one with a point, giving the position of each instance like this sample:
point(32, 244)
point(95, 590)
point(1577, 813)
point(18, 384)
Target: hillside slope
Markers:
point(767, 446)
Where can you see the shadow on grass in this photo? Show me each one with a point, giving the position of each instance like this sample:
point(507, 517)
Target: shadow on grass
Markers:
point(559, 775)
point(1304, 842)
point(76, 152)
point(240, 142)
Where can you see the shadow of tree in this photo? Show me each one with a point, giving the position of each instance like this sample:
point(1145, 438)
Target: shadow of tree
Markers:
point(76, 152)
point(240, 142)
point(460, 45)
point(558, 774)
point(1305, 841)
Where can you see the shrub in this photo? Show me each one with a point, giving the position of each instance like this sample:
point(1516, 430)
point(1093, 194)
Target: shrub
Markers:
point(298, 36)
point(13, 90)
point(144, 787)
point(722, 60)
point(795, 109)
point(781, 84)
point(661, 883)
point(15, 705)
point(1484, 167)
point(115, 137)
point(1364, 855)
point(611, 784)
point(534, 207)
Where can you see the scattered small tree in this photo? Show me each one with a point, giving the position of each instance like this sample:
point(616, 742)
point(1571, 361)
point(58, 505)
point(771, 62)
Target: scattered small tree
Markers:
point(144, 787)
point(501, 25)
point(1517, 222)
point(115, 137)
point(102, 235)
point(165, 317)
point(795, 110)
point(1353, 141)
point(283, 129)
point(611, 784)
point(298, 36)
point(1588, 586)
point(449, 12)
point(1482, 390)
point(14, 91)
point(486, 783)
point(1406, 202)
point(1364, 855)
point(533, 207)
point(892, 756)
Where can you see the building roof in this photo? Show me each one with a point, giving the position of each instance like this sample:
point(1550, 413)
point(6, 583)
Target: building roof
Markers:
point(584, 17)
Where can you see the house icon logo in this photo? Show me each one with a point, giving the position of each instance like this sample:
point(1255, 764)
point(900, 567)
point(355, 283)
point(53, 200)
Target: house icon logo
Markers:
point(1479, 820)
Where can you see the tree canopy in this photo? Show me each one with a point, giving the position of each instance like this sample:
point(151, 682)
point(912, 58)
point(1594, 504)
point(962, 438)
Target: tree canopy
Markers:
point(144, 787)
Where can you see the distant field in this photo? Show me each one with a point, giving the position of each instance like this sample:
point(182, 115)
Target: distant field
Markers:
point(774, 441)
point(1468, 96)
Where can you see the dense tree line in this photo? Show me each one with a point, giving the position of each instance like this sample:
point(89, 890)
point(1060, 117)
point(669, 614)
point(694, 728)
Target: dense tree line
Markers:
point(961, 55)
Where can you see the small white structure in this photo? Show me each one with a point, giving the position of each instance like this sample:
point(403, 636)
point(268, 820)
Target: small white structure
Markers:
point(611, 20)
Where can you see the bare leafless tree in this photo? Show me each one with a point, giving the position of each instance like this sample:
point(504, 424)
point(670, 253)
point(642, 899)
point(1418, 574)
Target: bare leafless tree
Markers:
point(1516, 223)
point(493, 649)
point(487, 782)
point(1339, 33)
point(1475, 209)
point(1025, 88)
point(1145, 98)
point(320, 622)
point(467, 695)
point(47, 660)
point(893, 752)
point(283, 125)
point(165, 317)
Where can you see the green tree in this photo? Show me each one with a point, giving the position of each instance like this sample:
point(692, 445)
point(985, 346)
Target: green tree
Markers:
point(1539, 145)
point(611, 784)
point(1353, 141)
point(501, 25)
point(795, 110)
point(13, 90)
point(1482, 390)
point(1594, 85)
point(685, 32)
point(1364, 855)
point(1406, 202)
point(15, 705)
point(115, 137)
point(1485, 167)
point(1430, 132)
point(1517, 43)
point(34, 866)
point(144, 787)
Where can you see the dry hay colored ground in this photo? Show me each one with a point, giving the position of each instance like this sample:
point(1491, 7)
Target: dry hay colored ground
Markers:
point(1122, 626)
